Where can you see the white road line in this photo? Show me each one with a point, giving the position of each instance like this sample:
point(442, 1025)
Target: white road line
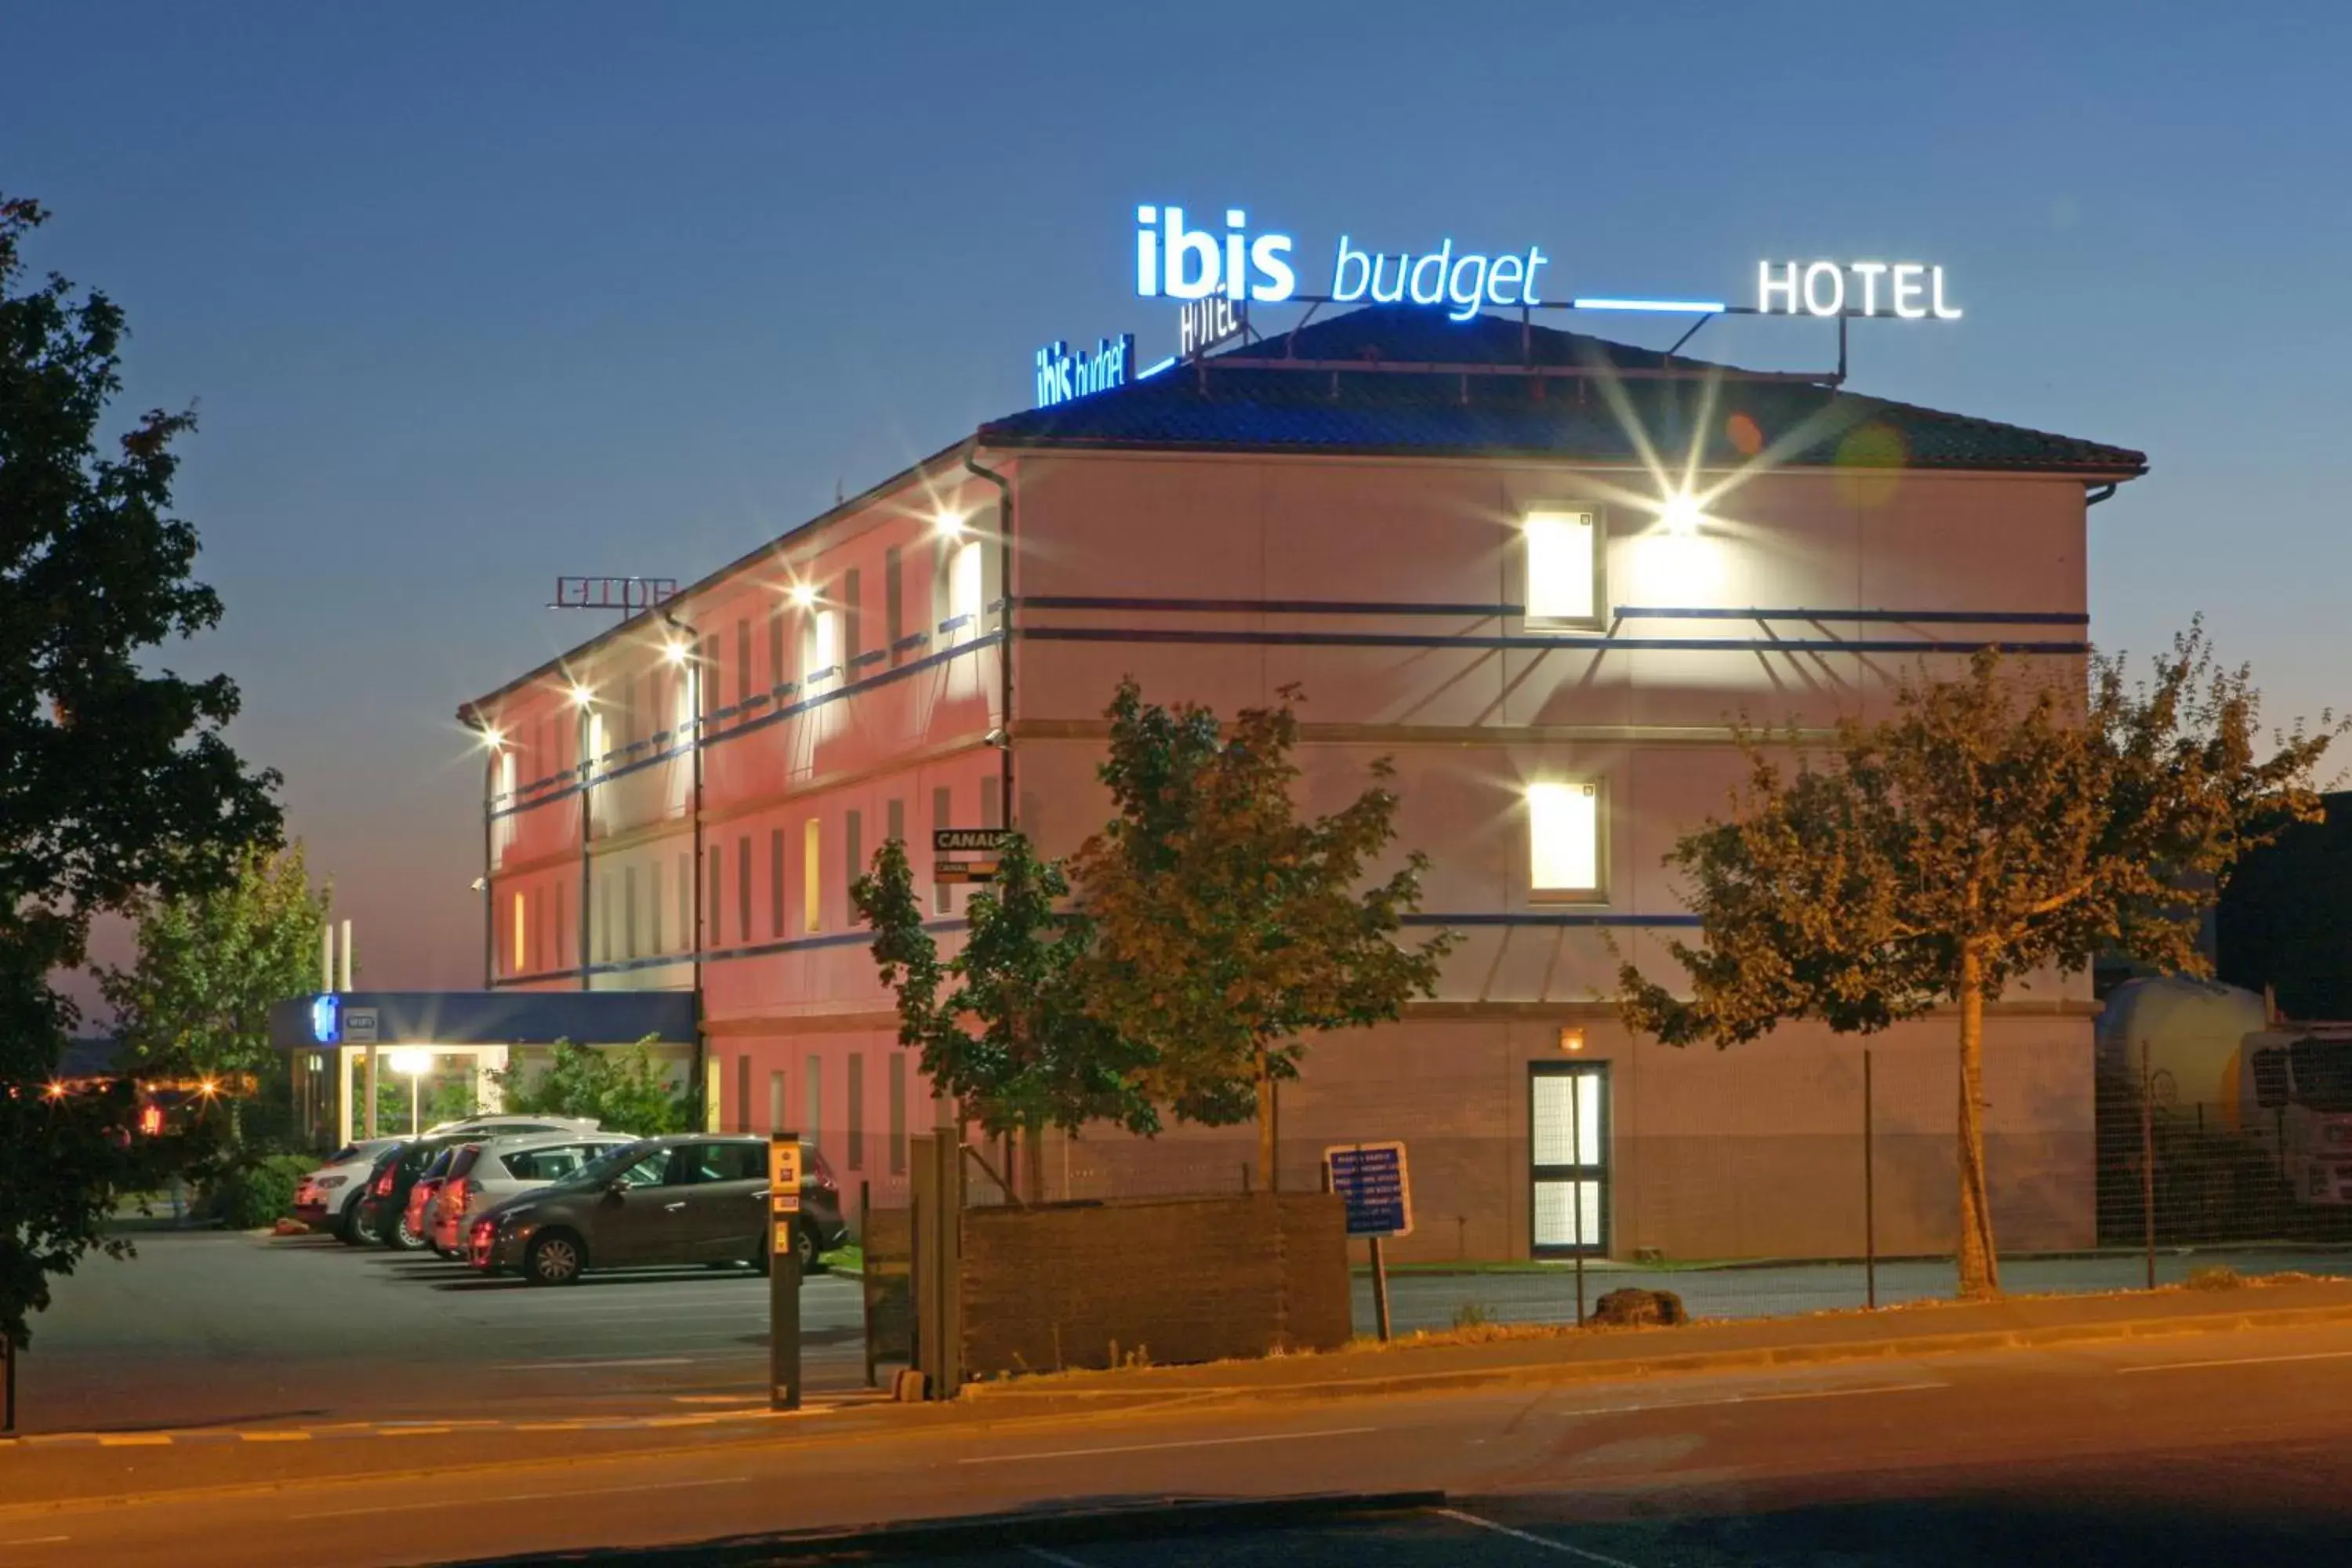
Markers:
point(2237, 1360)
point(525, 1496)
point(1154, 1447)
point(1043, 1555)
point(34, 1541)
point(599, 1363)
point(1560, 1546)
point(1753, 1398)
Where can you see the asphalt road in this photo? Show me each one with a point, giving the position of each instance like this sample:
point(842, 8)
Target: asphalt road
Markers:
point(2193, 1450)
point(209, 1328)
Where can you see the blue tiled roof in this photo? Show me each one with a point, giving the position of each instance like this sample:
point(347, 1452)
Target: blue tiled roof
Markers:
point(1573, 417)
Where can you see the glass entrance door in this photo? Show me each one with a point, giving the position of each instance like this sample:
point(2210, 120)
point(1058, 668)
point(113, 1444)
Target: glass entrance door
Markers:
point(1568, 1158)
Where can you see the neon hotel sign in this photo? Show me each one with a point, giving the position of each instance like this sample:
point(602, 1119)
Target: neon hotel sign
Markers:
point(1197, 266)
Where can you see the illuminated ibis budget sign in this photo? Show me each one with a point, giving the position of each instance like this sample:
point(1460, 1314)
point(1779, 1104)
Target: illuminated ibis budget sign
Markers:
point(1175, 259)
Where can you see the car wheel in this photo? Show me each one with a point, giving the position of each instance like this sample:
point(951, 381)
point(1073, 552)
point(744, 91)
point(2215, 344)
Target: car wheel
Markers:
point(347, 1224)
point(554, 1258)
point(363, 1228)
point(401, 1238)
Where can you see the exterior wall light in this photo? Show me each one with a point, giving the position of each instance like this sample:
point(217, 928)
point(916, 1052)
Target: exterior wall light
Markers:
point(1680, 514)
point(580, 695)
point(674, 651)
point(949, 523)
point(1572, 1037)
point(804, 594)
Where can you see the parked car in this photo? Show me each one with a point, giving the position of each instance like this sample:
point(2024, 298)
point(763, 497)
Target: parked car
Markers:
point(502, 1123)
point(495, 1169)
point(416, 1222)
point(382, 1213)
point(328, 1197)
point(689, 1197)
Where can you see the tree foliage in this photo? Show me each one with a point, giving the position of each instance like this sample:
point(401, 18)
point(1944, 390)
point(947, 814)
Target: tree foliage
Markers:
point(1229, 928)
point(1004, 1026)
point(115, 780)
point(211, 963)
point(1991, 827)
point(626, 1090)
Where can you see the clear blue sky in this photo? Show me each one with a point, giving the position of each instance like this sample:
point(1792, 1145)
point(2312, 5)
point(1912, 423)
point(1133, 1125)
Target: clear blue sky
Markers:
point(469, 296)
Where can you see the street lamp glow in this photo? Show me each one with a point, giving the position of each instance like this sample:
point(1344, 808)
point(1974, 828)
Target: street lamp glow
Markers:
point(413, 1065)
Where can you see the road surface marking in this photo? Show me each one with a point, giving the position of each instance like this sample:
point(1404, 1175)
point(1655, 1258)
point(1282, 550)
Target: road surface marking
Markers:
point(1153, 1447)
point(1560, 1546)
point(414, 1432)
point(2236, 1361)
point(36, 1541)
point(526, 1497)
point(1754, 1398)
point(716, 1398)
point(1039, 1552)
point(274, 1436)
point(133, 1439)
point(598, 1364)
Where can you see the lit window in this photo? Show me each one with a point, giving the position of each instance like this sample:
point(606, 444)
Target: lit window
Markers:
point(596, 744)
point(823, 643)
point(521, 946)
point(963, 587)
point(812, 876)
point(1564, 569)
point(1564, 840)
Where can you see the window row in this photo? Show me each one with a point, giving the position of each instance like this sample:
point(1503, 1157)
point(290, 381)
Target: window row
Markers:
point(834, 1120)
point(788, 882)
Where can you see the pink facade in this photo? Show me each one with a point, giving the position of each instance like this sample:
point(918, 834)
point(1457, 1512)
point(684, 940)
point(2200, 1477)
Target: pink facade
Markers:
point(1392, 588)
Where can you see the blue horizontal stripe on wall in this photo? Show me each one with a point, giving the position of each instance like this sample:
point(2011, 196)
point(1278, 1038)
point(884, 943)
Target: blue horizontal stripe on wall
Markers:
point(1624, 613)
point(1570, 641)
point(1554, 918)
point(882, 677)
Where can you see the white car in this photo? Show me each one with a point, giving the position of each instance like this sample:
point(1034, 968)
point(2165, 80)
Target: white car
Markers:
point(328, 1197)
point(495, 1169)
point(497, 1125)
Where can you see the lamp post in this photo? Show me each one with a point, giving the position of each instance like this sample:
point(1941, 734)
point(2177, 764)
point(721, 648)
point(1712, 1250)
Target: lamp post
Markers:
point(413, 1065)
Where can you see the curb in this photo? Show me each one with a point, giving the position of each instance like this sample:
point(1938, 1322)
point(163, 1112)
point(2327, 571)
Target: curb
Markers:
point(222, 1437)
point(1627, 1369)
point(1000, 1531)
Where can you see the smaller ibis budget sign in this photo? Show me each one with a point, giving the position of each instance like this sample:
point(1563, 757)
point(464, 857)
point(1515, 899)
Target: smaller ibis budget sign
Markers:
point(783, 1186)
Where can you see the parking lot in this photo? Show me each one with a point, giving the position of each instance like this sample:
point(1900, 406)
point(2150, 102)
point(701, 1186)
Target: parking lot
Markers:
point(206, 1328)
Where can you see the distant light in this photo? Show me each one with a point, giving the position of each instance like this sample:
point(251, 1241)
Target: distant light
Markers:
point(580, 695)
point(1155, 369)
point(804, 595)
point(949, 523)
point(1666, 306)
point(411, 1063)
point(1681, 515)
point(56, 1089)
point(209, 1088)
point(674, 651)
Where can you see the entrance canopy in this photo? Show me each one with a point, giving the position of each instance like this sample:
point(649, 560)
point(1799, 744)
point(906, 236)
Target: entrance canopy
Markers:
point(481, 1018)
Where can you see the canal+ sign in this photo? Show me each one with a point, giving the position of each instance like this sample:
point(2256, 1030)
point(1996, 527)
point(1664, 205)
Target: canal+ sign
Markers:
point(1177, 260)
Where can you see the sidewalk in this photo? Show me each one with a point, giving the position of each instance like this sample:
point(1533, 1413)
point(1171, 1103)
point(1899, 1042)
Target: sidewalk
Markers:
point(1533, 1355)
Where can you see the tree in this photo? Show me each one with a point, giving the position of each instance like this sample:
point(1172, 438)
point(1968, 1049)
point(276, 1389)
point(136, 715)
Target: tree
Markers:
point(1990, 828)
point(626, 1090)
point(1228, 927)
point(115, 780)
point(211, 963)
point(1013, 1040)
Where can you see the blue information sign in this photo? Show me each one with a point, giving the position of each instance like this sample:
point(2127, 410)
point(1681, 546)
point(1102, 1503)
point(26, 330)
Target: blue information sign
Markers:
point(1370, 1179)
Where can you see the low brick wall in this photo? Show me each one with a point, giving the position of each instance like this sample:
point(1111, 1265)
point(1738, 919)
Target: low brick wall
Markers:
point(1159, 1280)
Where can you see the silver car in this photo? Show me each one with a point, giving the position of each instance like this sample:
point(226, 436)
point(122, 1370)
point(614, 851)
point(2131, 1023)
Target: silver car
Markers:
point(496, 1168)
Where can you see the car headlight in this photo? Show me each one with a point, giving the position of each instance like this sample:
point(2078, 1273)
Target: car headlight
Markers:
point(324, 1182)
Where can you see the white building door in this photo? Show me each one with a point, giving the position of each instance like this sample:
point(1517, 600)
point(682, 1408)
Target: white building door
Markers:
point(1568, 1158)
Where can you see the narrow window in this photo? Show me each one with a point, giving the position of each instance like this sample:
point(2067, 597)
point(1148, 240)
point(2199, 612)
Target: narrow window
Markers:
point(941, 803)
point(1564, 570)
point(716, 936)
point(776, 1103)
point(707, 682)
point(685, 932)
point(992, 801)
point(964, 587)
point(893, 602)
point(776, 645)
point(813, 1100)
point(743, 1092)
point(653, 906)
point(853, 1110)
point(744, 888)
point(897, 1113)
point(742, 660)
point(521, 932)
point(629, 912)
point(604, 921)
point(853, 618)
point(539, 936)
point(894, 817)
point(1564, 841)
point(775, 881)
point(812, 876)
point(562, 936)
point(853, 849)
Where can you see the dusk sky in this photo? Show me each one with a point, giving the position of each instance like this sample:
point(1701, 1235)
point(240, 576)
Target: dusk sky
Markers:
point(471, 297)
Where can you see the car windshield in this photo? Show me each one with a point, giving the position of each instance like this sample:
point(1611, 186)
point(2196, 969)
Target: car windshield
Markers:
point(2323, 1074)
point(440, 1165)
point(611, 1163)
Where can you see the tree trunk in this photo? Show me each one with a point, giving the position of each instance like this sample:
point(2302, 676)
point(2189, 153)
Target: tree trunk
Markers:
point(1979, 1263)
point(1032, 1156)
point(1268, 1173)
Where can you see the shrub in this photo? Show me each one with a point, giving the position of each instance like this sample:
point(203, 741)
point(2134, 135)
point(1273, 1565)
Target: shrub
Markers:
point(1471, 1315)
point(2214, 1277)
point(257, 1192)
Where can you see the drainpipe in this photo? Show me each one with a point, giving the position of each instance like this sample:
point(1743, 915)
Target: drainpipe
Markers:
point(587, 828)
point(1004, 649)
point(693, 638)
point(2093, 494)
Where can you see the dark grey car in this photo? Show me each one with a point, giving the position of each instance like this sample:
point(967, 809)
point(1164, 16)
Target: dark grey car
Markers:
point(689, 1197)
